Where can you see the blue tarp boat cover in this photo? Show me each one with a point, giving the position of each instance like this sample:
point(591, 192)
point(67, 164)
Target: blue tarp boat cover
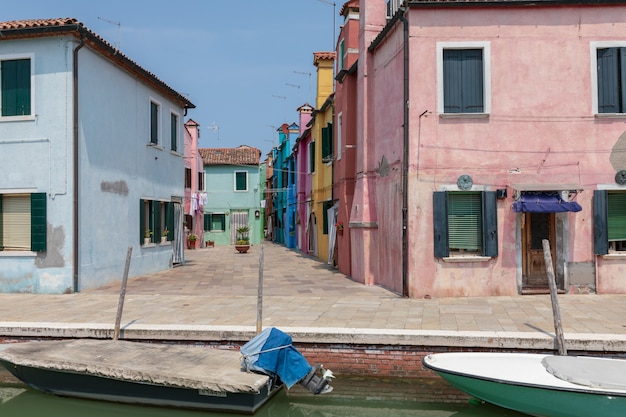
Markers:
point(544, 202)
point(272, 353)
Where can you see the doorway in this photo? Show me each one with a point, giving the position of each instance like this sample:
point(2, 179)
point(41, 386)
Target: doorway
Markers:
point(535, 228)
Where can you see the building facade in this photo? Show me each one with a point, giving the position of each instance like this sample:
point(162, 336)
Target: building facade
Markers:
point(107, 138)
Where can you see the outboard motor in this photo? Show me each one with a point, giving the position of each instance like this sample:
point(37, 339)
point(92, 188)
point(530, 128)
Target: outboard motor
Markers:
point(318, 384)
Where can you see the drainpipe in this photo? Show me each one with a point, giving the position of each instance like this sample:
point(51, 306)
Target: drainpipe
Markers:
point(76, 155)
point(405, 162)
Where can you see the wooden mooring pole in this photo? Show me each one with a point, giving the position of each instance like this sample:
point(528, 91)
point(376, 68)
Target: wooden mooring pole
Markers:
point(259, 302)
point(556, 312)
point(120, 304)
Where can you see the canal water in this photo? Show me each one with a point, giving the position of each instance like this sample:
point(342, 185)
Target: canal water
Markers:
point(352, 397)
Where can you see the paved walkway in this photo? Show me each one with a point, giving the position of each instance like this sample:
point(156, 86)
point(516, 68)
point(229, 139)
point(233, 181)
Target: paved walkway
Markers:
point(214, 297)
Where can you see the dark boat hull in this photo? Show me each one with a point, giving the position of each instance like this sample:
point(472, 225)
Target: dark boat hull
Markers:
point(74, 384)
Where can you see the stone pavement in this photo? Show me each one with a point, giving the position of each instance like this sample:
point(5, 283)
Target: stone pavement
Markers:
point(214, 297)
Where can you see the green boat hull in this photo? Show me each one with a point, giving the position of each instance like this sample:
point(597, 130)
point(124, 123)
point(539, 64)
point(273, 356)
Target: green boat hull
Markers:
point(539, 400)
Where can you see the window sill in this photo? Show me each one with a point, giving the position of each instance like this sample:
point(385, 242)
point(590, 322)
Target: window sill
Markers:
point(610, 115)
point(17, 254)
point(615, 255)
point(466, 258)
point(17, 118)
point(149, 245)
point(463, 115)
point(155, 146)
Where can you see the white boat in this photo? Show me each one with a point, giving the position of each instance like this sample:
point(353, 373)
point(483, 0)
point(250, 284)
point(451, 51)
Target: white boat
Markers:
point(538, 384)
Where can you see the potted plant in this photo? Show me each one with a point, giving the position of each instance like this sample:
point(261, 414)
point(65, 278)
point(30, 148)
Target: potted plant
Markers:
point(164, 234)
point(339, 227)
point(191, 240)
point(147, 234)
point(242, 243)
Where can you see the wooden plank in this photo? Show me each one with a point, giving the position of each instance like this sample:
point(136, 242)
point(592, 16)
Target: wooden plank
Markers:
point(558, 327)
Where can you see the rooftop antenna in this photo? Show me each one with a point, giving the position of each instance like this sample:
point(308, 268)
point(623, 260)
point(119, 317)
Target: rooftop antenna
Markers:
point(309, 74)
point(119, 26)
point(285, 101)
point(214, 127)
point(332, 3)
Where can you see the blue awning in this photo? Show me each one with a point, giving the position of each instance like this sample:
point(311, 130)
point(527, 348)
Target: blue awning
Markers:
point(544, 202)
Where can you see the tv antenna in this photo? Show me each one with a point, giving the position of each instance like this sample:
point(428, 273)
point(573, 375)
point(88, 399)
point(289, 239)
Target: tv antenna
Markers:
point(119, 26)
point(214, 127)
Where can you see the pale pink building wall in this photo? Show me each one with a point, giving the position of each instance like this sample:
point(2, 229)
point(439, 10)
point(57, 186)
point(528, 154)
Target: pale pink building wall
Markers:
point(304, 179)
point(541, 129)
point(193, 160)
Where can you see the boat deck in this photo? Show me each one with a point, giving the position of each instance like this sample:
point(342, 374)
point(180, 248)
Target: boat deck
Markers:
point(196, 367)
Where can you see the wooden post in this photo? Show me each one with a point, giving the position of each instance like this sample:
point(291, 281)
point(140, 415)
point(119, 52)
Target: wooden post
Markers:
point(120, 304)
point(259, 304)
point(558, 328)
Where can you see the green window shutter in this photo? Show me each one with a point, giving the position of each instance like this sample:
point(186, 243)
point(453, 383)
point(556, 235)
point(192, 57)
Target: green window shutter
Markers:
point(169, 219)
point(600, 226)
point(154, 123)
point(156, 220)
point(15, 87)
point(241, 181)
point(312, 157)
point(38, 221)
point(490, 223)
point(465, 221)
point(207, 222)
point(325, 207)
point(326, 148)
point(174, 131)
point(616, 221)
point(440, 224)
point(142, 220)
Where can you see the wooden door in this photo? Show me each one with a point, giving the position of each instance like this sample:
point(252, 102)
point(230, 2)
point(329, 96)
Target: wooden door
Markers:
point(535, 228)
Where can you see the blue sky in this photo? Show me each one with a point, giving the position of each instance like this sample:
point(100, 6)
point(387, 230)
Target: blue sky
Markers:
point(244, 64)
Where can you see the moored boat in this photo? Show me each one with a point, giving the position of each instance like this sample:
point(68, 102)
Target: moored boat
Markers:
point(538, 384)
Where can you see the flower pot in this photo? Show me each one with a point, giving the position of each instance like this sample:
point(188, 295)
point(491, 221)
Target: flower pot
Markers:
point(163, 239)
point(146, 240)
point(242, 248)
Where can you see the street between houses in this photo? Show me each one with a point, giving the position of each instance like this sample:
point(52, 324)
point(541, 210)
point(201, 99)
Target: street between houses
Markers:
point(212, 299)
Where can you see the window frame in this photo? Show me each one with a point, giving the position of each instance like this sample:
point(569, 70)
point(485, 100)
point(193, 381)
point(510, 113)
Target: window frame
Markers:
point(486, 52)
point(174, 127)
point(37, 221)
point(594, 46)
point(16, 57)
point(208, 221)
point(236, 189)
point(602, 219)
point(488, 229)
point(156, 215)
point(154, 138)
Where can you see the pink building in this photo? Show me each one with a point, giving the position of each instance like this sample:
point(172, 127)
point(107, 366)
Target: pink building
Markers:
point(345, 128)
point(195, 195)
point(304, 234)
point(483, 130)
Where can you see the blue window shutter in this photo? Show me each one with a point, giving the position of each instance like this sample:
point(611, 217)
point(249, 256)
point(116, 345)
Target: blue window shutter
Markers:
point(452, 70)
point(600, 223)
point(440, 224)
point(38, 235)
point(490, 224)
point(463, 81)
point(1, 226)
point(608, 80)
point(473, 81)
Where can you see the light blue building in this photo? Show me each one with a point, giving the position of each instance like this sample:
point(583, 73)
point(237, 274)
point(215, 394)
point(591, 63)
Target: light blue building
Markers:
point(91, 154)
point(233, 194)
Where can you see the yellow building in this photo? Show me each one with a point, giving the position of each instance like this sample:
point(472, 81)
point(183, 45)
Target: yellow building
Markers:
point(322, 134)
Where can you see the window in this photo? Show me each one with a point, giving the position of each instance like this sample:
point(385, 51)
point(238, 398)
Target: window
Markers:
point(327, 142)
point(463, 77)
point(174, 132)
point(342, 55)
point(609, 216)
point(154, 218)
point(187, 177)
point(201, 181)
point(154, 123)
point(23, 222)
point(311, 161)
point(611, 79)
point(15, 84)
point(465, 223)
point(339, 145)
point(241, 181)
point(215, 222)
